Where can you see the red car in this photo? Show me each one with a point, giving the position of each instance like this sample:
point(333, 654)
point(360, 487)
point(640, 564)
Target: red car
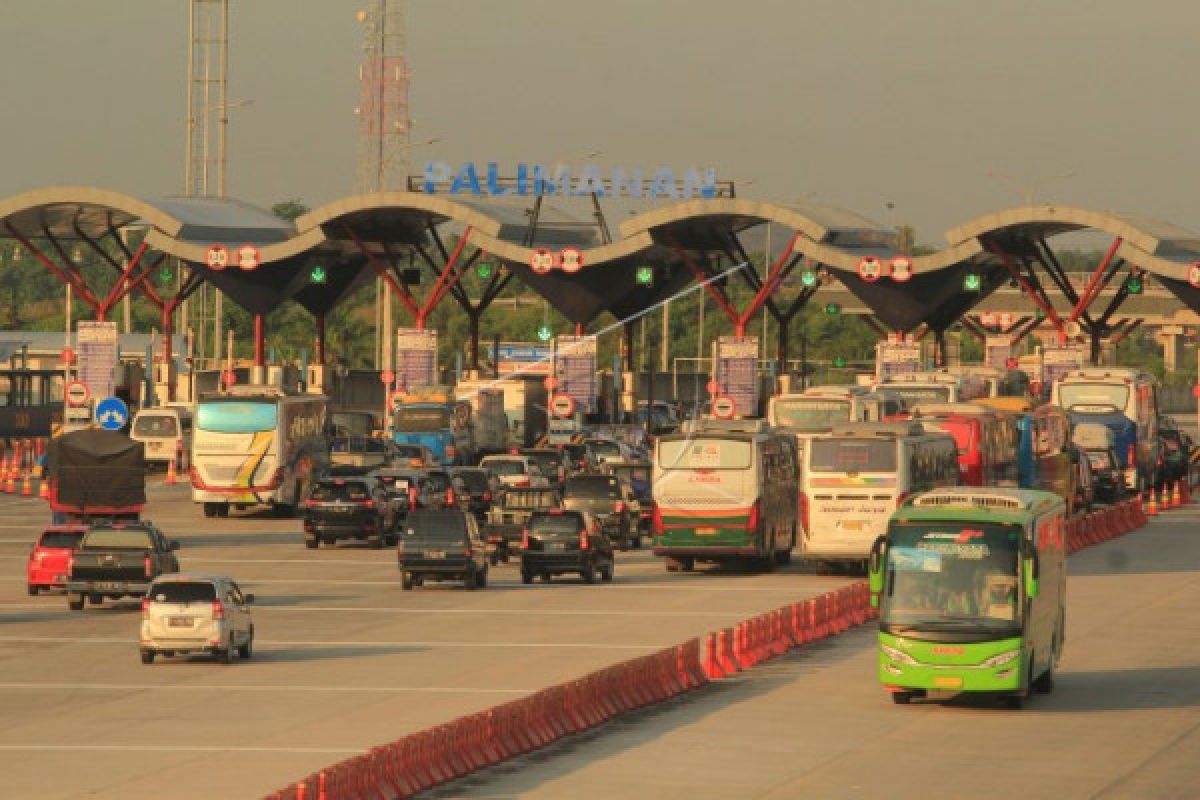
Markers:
point(49, 560)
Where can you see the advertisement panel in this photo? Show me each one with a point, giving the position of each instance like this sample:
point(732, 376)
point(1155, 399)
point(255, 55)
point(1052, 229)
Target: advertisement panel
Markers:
point(575, 368)
point(997, 350)
point(1058, 360)
point(896, 358)
point(97, 352)
point(736, 372)
point(416, 358)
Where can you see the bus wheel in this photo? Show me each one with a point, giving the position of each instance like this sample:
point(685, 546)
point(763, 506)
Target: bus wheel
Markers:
point(903, 698)
point(1045, 682)
point(687, 564)
point(210, 509)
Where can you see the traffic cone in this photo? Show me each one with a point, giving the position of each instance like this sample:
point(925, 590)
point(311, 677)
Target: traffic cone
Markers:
point(27, 482)
point(172, 477)
point(39, 450)
point(10, 483)
point(1152, 511)
point(1176, 497)
point(44, 488)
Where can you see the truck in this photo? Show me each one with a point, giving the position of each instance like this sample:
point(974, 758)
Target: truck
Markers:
point(432, 417)
point(507, 519)
point(488, 422)
point(524, 406)
point(118, 559)
point(95, 473)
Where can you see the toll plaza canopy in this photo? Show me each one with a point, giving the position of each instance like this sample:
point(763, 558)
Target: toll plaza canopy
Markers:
point(389, 235)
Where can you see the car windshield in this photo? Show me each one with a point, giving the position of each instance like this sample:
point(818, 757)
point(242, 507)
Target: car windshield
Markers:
point(633, 474)
point(701, 453)
point(568, 524)
point(548, 463)
point(1093, 398)
point(439, 525)
point(952, 574)
point(118, 539)
point(155, 425)
point(344, 491)
point(475, 480)
point(852, 455)
point(811, 413)
point(422, 419)
point(593, 486)
point(508, 466)
point(183, 592)
point(60, 539)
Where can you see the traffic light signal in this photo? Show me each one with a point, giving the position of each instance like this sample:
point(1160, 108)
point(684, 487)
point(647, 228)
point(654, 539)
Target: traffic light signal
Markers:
point(972, 282)
point(1134, 284)
point(808, 278)
point(165, 275)
point(839, 362)
point(544, 333)
point(317, 275)
point(833, 308)
point(484, 270)
point(645, 276)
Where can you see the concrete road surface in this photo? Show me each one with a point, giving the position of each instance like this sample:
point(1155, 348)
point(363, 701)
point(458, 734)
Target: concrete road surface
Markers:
point(344, 659)
point(1124, 721)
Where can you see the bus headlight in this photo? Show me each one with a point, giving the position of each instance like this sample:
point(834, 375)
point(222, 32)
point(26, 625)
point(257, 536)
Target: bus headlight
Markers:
point(1000, 659)
point(899, 656)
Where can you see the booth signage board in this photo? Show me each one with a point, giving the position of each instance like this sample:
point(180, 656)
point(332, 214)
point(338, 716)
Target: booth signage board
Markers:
point(997, 350)
point(416, 358)
point(575, 368)
point(736, 372)
point(96, 345)
point(896, 358)
point(1058, 361)
point(523, 357)
point(540, 180)
point(562, 429)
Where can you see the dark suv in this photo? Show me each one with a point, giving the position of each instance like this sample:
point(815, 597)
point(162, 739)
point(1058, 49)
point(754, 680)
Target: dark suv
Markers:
point(441, 546)
point(348, 508)
point(607, 499)
point(474, 489)
point(565, 541)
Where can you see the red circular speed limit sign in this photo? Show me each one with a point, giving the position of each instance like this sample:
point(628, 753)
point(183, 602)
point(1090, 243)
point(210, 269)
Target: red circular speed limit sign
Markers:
point(571, 259)
point(77, 394)
point(723, 407)
point(1194, 275)
point(542, 260)
point(248, 257)
point(901, 269)
point(870, 269)
point(217, 258)
point(562, 405)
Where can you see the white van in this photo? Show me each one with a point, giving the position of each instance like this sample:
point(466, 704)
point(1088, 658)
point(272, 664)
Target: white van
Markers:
point(855, 476)
point(165, 433)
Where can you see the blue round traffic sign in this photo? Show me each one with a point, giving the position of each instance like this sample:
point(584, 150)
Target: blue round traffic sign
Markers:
point(112, 413)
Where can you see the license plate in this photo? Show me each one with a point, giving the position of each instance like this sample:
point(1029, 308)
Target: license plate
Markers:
point(706, 531)
point(851, 524)
point(179, 622)
point(948, 682)
point(109, 585)
point(556, 546)
point(435, 553)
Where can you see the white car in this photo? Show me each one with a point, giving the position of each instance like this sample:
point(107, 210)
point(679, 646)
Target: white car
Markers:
point(516, 471)
point(187, 613)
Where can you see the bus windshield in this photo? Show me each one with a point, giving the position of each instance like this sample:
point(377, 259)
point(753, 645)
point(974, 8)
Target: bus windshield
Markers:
point(912, 394)
point(949, 575)
point(422, 418)
point(853, 455)
point(704, 454)
point(1095, 398)
point(810, 414)
point(236, 417)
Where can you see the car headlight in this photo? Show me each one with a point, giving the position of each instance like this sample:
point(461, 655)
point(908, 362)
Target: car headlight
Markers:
point(899, 656)
point(1000, 659)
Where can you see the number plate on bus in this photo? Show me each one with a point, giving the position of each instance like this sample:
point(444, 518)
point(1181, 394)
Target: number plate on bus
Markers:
point(706, 531)
point(435, 553)
point(109, 585)
point(948, 682)
point(179, 622)
point(851, 524)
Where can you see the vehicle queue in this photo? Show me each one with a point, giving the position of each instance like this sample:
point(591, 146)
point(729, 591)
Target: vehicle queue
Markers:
point(947, 490)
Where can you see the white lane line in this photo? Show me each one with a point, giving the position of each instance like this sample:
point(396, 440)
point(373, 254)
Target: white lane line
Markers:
point(144, 687)
point(312, 643)
point(543, 612)
point(169, 748)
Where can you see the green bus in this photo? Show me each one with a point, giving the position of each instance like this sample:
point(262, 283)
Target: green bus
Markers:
point(970, 584)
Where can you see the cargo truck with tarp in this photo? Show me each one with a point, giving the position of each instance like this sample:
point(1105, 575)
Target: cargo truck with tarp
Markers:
point(96, 473)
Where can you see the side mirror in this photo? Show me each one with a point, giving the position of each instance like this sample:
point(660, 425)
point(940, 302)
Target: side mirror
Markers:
point(249, 599)
point(1031, 575)
point(875, 569)
point(173, 544)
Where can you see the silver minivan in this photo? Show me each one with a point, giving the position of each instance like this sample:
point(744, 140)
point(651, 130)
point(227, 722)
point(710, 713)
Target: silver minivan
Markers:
point(187, 613)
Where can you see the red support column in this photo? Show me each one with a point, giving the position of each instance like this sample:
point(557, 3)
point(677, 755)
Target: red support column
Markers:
point(260, 344)
point(1051, 314)
point(119, 289)
point(1089, 294)
point(445, 282)
point(168, 331)
point(579, 329)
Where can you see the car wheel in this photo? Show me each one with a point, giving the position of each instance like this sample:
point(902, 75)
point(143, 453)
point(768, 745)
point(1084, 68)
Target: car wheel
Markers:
point(1045, 682)
point(222, 509)
point(471, 580)
point(95, 599)
point(482, 579)
point(545, 577)
point(606, 574)
point(225, 656)
point(147, 656)
point(902, 698)
point(311, 543)
point(406, 581)
point(526, 577)
point(588, 573)
point(246, 650)
point(494, 558)
point(687, 564)
point(33, 590)
point(375, 542)
point(75, 601)
point(392, 541)
point(210, 509)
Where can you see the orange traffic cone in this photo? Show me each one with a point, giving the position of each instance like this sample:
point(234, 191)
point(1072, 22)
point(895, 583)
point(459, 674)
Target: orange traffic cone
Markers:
point(27, 483)
point(172, 476)
point(10, 483)
point(1152, 511)
point(44, 489)
point(1176, 498)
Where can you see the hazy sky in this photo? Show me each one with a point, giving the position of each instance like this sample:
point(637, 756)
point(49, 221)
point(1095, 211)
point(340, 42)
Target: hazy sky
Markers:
point(859, 102)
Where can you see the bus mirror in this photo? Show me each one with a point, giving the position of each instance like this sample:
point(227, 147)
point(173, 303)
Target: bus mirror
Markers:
point(875, 569)
point(1031, 575)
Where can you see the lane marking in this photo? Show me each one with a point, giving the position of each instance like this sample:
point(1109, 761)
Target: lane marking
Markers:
point(317, 643)
point(545, 612)
point(169, 748)
point(143, 687)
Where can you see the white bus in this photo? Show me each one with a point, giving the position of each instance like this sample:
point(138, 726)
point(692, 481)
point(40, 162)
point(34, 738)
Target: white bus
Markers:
point(819, 408)
point(165, 433)
point(257, 445)
point(855, 476)
point(935, 387)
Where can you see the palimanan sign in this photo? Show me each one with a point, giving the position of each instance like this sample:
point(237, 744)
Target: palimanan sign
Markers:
point(540, 180)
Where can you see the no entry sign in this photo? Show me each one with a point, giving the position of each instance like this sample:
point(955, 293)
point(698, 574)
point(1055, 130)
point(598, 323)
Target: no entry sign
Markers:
point(562, 405)
point(723, 407)
point(77, 394)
